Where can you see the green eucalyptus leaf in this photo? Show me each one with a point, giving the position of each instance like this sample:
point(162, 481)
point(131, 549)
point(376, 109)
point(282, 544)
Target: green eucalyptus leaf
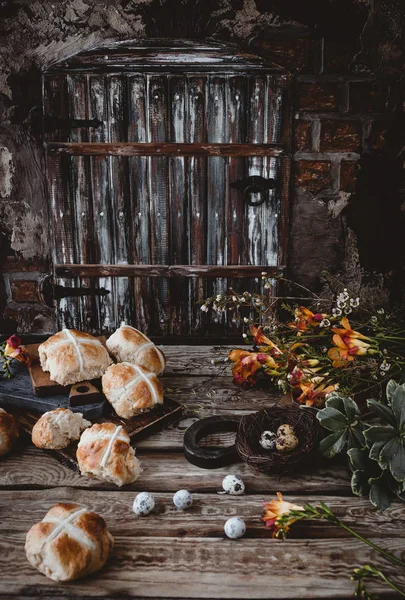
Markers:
point(331, 419)
point(356, 438)
point(379, 433)
point(359, 483)
point(333, 443)
point(398, 406)
point(397, 463)
point(351, 409)
point(391, 387)
point(379, 495)
point(388, 452)
point(335, 400)
point(375, 450)
point(382, 411)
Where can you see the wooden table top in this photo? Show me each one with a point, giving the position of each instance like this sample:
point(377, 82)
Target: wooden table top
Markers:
point(184, 554)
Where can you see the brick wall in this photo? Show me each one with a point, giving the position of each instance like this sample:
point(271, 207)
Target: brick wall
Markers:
point(342, 115)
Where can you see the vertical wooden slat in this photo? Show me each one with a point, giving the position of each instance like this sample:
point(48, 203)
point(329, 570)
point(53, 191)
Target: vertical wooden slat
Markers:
point(197, 199)
point(61, 212)
point(236, 133)
point(99, 169)
point(159, 199)
point(262, 236)
point(179, 234)
point(121, 230)
point(81, 199)
point(139, 197)
point(217, 183)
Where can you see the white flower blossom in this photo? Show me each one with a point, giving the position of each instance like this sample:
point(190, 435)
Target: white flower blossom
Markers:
point(336, 312)
point(244, 335)
point(234, 298)
point(324, 323)
point(374, 319)
point(348, 310)
point(385, 366)
point(354, 302)
point(245, 320)
point(380, 311)
point(267, 285)
point(219, 298)
point(204, 308)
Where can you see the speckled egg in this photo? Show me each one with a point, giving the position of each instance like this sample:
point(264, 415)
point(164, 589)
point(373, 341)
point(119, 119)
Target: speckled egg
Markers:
point(233, 484)
point(268, 440)
point(286, 438)
point(183, 499)
point(235, 528)
point(144, 503)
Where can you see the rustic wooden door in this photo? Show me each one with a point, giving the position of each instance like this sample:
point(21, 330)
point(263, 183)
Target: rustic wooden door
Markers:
point(168, 174)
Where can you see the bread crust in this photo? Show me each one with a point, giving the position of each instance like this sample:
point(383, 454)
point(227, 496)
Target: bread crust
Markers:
point(56, 429)
point(8, 432)
point(71, 356)
point(104, 452)
point(131, 389)
point(70, 542)
point(128, 344)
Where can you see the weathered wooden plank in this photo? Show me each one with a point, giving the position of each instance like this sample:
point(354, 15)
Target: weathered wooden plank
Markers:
point(195, 360)
point(33, 468)
point(179, 231)
point(82, 202)
point(55, 102)
point(121, 220)
point(206, 517)
point(159, 200)
point(164, 149)
point(206, 568)
point(103, 242)
point(156, 270)
point(139, 196)
point(197, 190)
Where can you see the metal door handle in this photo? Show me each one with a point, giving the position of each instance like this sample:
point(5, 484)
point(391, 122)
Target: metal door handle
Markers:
point(255, 184)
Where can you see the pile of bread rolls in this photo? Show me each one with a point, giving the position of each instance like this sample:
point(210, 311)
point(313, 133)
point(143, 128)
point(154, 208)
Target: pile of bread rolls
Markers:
point(71, 541)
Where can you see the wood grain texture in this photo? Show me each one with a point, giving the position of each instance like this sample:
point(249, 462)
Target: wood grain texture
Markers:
point(162, 270)
point(163, 149)
point(204, 519)
point(163, 471)
point(205, 568)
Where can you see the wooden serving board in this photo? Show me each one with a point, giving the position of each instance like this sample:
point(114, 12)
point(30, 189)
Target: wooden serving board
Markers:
point(42, 383)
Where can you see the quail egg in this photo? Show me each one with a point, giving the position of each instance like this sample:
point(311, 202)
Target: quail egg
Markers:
point(144, 503)
point(233, 484)
point(183, 499)
point(268, 440)
point(286, 438)
point(235, 528)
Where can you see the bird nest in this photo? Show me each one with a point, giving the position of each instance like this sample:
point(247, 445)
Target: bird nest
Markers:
point(252, 426)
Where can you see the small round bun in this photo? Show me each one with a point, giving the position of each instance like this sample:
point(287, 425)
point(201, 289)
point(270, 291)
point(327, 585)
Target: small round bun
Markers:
point(127, 344)
point(56, 429)
point(131, 389)
point(8, 432)
point(104, 452)
point(70, 542)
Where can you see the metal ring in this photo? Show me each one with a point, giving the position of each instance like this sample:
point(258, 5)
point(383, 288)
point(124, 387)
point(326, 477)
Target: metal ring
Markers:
point(254, 189)
point(207, 458)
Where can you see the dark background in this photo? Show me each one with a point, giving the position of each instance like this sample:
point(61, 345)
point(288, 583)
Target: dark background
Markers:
point(347, 57)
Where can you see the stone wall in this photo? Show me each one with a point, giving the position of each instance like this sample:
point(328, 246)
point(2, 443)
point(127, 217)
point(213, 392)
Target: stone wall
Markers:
point(347, 58)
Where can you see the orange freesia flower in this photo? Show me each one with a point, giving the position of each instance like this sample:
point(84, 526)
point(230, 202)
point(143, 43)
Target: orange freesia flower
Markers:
point(13, 350)
point(305, 318)
point(247, 364)
point(274, 509)
point(314, 392)
point(348, 344)
point(262, 341)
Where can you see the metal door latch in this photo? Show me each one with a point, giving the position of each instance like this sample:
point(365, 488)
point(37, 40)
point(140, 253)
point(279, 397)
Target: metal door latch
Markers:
point(49, 291)
point(255, 184)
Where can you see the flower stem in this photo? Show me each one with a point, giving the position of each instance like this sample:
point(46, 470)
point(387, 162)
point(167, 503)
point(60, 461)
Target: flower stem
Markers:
point(378, 549)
